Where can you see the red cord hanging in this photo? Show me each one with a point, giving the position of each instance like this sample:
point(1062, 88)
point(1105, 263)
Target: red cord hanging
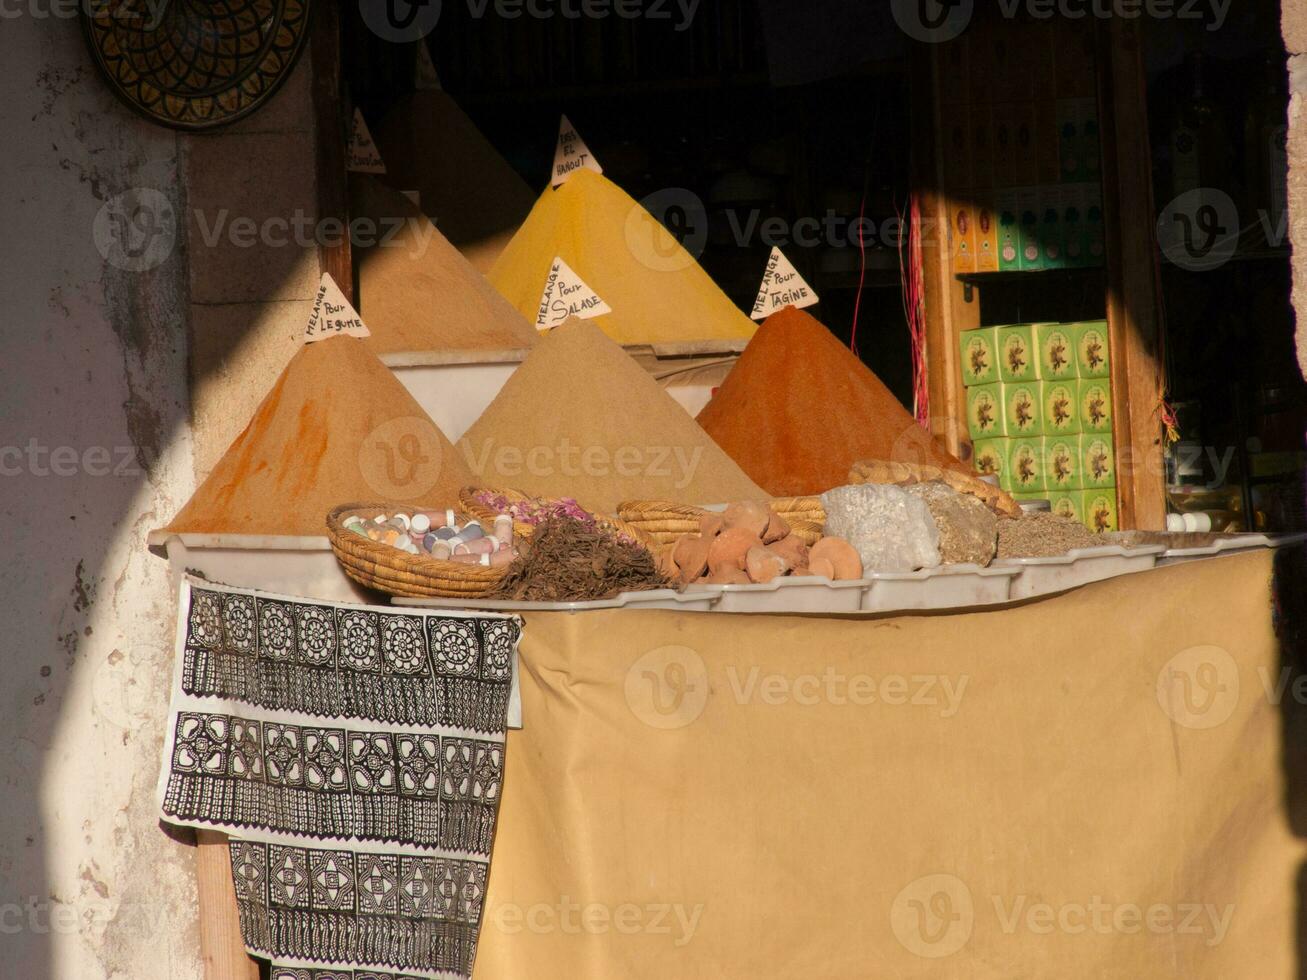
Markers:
point(912, 280)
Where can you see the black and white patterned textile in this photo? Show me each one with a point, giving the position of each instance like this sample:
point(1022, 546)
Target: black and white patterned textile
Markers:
point(355, 756)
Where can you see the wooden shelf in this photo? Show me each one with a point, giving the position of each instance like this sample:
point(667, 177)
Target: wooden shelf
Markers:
point(970, 280)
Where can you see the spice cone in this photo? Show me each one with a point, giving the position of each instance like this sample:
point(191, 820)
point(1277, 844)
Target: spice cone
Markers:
point(580, 418)
point(336, 427)
point(656, 290)
point(475, 197)
point(416, 292)
point(799, 409)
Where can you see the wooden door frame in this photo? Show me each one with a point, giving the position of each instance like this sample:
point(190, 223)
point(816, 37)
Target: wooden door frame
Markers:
point(1131, 301)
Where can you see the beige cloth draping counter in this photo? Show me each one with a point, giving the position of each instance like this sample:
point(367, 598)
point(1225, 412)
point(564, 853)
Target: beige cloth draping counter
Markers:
point(1092, 785)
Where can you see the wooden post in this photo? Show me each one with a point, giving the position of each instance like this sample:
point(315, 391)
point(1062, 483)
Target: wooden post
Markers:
point(332, 134)
point(221, 947)
point(947, 312)
point(1132, 320)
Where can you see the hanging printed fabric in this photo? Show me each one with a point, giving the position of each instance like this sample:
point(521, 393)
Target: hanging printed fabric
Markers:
point(355, 757)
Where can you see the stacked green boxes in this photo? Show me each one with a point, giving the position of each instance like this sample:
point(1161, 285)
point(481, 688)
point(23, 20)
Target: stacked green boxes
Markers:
point(1039, 410)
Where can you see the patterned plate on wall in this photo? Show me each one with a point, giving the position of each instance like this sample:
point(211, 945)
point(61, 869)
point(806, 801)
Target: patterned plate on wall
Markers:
point(195, 64)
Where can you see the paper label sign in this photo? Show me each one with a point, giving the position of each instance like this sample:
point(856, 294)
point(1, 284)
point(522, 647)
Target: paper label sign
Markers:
point(782, 286)
point(572, 155)
point(426, 79)
point(566, 295)
point(332, 315)
point(364, 157)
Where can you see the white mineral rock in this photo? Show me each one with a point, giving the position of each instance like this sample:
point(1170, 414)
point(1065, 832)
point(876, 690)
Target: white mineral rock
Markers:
point(891, 530)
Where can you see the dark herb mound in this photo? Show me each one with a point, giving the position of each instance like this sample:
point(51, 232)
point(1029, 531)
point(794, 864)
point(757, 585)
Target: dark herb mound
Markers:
point(567, 560)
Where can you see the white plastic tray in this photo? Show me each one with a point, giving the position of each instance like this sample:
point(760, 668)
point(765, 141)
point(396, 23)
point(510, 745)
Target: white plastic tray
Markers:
point(691, 601)
point(810, 594)
point(947, 587)
point(300, 566)
point(1229, 546)
point(1040, 576)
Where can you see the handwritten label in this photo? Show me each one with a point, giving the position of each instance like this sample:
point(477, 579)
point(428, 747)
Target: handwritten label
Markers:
point(782, 286)
point(572, 155)
point(364, 157)
point(332, 315)
point(426, 79)
point(567, 295)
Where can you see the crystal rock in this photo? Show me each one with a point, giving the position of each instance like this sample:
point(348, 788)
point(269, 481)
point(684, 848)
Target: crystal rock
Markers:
point(891, 530)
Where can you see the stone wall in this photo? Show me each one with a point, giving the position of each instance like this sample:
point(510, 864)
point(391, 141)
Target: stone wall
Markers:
point(140, 330)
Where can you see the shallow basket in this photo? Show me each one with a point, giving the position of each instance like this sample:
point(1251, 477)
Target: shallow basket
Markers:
point(664, 522)
point(479, 511)
point(376, 565)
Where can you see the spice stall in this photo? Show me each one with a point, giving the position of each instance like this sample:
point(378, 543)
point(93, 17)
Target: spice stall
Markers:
point(808, 679)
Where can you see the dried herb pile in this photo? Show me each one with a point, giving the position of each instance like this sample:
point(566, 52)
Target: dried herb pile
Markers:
point(567, 560)
point(1042, 536)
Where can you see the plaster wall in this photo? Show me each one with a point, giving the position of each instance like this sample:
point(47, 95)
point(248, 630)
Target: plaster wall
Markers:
point(94, 451)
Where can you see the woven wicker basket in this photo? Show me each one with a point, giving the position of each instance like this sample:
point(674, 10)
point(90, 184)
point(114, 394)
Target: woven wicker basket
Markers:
point(467, 499)
point(379, 566)
point(665, 522)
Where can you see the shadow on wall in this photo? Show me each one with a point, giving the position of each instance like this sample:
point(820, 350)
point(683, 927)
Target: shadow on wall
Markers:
point(95, 451)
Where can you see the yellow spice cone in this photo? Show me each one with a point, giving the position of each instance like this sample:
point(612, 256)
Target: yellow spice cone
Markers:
point(657, 291)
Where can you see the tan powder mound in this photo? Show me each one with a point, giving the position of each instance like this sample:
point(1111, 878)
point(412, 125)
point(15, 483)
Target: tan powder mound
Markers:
point(799, 409)
point(475, 197)
point(336, 428)
point(416, 291)
point(581, 419)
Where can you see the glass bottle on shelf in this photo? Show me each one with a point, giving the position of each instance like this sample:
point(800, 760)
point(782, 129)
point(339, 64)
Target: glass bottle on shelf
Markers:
point(1199, 136)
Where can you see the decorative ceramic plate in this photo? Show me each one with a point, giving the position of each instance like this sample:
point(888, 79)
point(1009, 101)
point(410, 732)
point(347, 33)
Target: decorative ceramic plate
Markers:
point(195, 64)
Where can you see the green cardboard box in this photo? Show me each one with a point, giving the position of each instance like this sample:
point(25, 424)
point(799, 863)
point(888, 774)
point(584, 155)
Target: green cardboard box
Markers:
point(1091, 163)
point(1017, 358)
point(1069, 139)
point(1060, 401)
point(1032, 250)
point(1097, 462)
point(1095, 400)
point(1007, 208)
point(1062, 464)
point(1055, 346)
point(1095, 249)
point(1093, 350)
point(1052, 241)
point(1098, 510)
point(1023, 409)
point(990, 457)
point(1067, 505)
point(980, 356)
point(1073, 229)
point(985, 418)
point(1026, 465)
